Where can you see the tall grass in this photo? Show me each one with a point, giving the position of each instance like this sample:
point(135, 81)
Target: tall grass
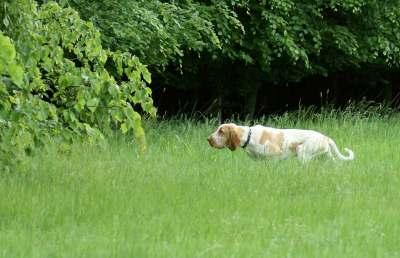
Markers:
point(183, 199)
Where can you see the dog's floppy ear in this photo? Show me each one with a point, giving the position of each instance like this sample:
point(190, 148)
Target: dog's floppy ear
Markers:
point(233, 137)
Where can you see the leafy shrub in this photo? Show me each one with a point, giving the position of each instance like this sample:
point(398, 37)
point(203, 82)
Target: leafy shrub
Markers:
point(57, 80)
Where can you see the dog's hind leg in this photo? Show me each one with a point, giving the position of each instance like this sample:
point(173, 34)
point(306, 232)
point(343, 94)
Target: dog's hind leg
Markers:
point(302, 154)
point(330, 155)
point(311, 149)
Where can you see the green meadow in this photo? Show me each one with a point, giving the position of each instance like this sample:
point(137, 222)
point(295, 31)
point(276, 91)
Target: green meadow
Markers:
point(183, 199)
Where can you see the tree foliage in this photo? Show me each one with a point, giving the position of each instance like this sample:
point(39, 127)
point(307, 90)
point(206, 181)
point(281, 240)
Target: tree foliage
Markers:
point(57, 80)
point(309, 37)
point(157, 32)
point(201, 44)
point(289, 39)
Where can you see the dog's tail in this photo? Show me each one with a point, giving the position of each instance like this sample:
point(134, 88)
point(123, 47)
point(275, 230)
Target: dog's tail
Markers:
point(336, 151)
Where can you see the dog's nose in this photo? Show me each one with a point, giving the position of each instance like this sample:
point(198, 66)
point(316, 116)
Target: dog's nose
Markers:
point(209, 140)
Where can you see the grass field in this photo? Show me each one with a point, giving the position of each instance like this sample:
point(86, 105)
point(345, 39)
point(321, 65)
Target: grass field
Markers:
point(184, 199)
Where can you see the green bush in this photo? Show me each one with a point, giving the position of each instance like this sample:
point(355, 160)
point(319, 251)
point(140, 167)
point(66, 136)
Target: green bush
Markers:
point(57, 80)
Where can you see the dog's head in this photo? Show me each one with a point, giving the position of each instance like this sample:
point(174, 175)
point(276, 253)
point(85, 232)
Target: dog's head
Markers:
point(227, 135)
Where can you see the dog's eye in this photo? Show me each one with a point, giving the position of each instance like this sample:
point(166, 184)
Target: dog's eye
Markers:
point(220, 131)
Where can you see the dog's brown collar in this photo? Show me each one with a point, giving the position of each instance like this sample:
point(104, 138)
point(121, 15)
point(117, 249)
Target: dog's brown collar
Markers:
point(247, 140)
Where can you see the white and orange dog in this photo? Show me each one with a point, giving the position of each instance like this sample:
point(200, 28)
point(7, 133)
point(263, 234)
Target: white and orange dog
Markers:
point(260, 141)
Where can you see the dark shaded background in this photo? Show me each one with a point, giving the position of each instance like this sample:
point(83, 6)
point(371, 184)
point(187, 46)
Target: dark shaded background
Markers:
point(209, 94)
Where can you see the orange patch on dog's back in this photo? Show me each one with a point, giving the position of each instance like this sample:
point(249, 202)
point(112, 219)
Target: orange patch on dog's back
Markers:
point(274, 140)
point(265, 136)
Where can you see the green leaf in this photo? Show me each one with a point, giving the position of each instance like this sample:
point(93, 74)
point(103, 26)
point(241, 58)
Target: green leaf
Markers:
point(146, 75)
point(80, 103)
point(7, 53)
point(124, 128)
point(92, 104)
point(16, 73)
